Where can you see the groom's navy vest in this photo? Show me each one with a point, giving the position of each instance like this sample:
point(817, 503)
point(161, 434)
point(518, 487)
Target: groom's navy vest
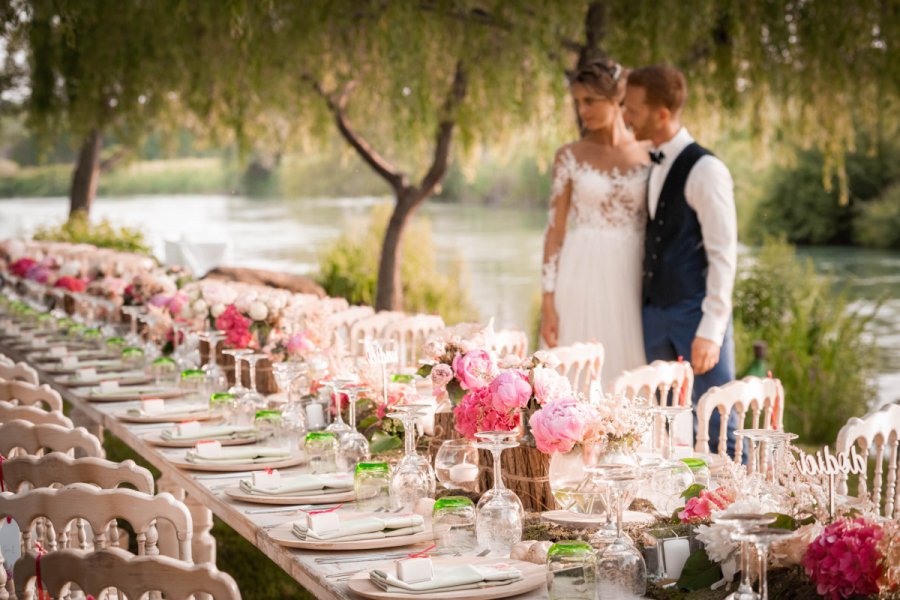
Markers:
point(675, 263)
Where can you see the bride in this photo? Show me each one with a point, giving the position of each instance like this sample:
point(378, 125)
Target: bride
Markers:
point(593, 245)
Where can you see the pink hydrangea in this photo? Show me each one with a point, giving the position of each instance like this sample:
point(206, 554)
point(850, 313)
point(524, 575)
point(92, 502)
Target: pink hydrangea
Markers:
point(549, 385)
point(560, 424)
point(441, 375)
point(510, 390)
point(475, 369)
point(476, 413)
point(700, 508)
point(236, 327)
point(845, 561)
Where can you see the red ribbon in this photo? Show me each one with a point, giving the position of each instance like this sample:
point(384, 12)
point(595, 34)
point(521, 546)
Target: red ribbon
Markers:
point(322, 512)
point(37, 572)
point(423, 553)
point(269, 470)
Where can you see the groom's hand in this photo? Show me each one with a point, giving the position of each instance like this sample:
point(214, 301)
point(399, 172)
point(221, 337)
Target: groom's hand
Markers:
point(704, 355)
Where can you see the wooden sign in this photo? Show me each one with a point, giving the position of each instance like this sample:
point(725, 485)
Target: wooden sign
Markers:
point(830, 465)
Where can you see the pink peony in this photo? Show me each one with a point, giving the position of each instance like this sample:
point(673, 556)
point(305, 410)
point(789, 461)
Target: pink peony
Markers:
point(510, 390)
point(844, 561)
point(299, 343)
point(549, 385)
point(700, 508)
point(560, 424)
point(476, 413)
point(474, 369)
point(441, 375)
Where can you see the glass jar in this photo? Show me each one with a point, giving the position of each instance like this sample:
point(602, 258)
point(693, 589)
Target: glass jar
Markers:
point(372, 484)
point(571, 571)
point(133, 357)
point(193, 381)
point(221, 403)
point(453, 523)
point(700, 470)
point(456, 465)
point(271, 433)
point(321, 449)
point(114, 345)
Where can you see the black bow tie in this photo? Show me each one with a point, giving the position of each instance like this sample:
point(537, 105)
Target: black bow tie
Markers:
point(657, 156)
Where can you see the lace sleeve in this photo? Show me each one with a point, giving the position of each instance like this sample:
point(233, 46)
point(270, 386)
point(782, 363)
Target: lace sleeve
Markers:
point(557, 217)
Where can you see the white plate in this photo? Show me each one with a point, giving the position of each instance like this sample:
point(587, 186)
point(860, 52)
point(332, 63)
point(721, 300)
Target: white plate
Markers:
point(158, 440)
point(571, 519)
point(45, 357)
point(101, 366)
point(164, 418)
point(282, 535)
point(238, 494)
point(533, 577)
point(134, 393)
point(123, 378)
point(282, 463)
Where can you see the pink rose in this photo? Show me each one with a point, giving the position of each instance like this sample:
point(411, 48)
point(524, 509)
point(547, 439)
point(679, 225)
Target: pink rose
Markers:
point(510, 390)
point(559, 425)
point(700, 508)
point(441, 375)
point(474, 369)
point(549, 385)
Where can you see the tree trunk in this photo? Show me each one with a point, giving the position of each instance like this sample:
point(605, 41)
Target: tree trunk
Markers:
point(87, 173)
point(389, 290)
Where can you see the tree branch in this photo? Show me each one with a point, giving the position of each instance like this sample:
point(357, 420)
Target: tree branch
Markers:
point(378, 163)
point(444, 134)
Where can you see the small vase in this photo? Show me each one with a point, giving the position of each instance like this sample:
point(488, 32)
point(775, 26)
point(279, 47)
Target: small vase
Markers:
point(569, 482)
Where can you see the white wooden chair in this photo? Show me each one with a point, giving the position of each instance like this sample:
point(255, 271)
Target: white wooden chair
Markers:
point(94, 572)
point(58, 469)
point(581, 363)
point(341, 321)
point(758, 396)
point(509, 341)
point(410, 332)
point(656, 381)
point(876, 436)
point(29, 394)
point(33, 439)
point(370, 328)
point(33, 414)
point(19, 372)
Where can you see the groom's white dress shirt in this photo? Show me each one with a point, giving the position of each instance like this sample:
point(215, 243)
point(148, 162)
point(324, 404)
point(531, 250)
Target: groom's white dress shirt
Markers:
point(709, 191)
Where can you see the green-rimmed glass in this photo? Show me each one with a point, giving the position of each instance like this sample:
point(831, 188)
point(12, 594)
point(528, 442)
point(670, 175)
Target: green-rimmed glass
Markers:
point(372, 484)
point(115, 342)
point(453, 521)
point(75, 329)
point(162, 369)
point(700, 470)
point(571, 571)
point(132, 356)
point(220, 401)
point(271, 428)
point(93, 333)
point(321, 448)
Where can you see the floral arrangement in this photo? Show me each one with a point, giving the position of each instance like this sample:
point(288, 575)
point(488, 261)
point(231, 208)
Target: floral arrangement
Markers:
point(71, 284)
point(846, 560)
point(699, 509)
point(564, 422)
point(236, 327)
point(146, 285)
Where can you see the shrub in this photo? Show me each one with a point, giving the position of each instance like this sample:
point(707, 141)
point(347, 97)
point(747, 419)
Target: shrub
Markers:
point(79, 230)
point(878, 223)
point(349, 268)
point(817, 344)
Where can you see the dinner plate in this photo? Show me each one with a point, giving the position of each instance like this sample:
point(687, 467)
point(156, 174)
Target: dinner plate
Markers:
point(238, 494)
point(281, 463)
point(164, 418)
point(46, 357)
point(134, 393)
point(123, 378)
point(101, 366)
point(282, 535)
point(533, 577)
point(158, 440)
point(571, 519)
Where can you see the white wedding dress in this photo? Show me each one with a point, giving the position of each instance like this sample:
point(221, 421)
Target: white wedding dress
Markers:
point(596, 273)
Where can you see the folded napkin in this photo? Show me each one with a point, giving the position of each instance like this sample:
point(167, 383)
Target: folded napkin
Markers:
point(170, 409)
point(302, 485)
point(367, 528)
point(215, 432)
point(238, 455)
point(449, 579)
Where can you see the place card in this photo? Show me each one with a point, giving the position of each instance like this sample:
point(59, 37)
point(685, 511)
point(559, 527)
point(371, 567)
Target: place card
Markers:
point(109, 386)
point(415, 570)
point(323, 523)
point(87, 373)
point(267, 480)
point(69, 362)
point(208, 449)
point(185, 427)
point(154, 406)
point(58, 351)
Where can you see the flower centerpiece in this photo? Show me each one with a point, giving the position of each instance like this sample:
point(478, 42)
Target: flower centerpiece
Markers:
point(845, 561)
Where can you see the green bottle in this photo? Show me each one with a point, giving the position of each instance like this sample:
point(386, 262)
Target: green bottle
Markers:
point(759, 367)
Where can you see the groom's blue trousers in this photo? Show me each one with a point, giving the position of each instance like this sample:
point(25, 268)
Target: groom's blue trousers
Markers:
point(668, 334)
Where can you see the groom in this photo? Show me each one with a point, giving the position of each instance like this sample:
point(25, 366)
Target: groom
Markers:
point(690, 249)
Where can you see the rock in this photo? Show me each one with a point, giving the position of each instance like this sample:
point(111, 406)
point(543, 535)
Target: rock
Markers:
point(520, 550)
point(296, 283)
point(537, 554)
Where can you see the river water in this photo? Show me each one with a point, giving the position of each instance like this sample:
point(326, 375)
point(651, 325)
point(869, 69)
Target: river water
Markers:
point(501, 249)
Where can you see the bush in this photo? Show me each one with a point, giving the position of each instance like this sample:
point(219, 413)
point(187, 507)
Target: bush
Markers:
point(79, 230)
point(349, 268)
point(878, 223)
point(817, 345)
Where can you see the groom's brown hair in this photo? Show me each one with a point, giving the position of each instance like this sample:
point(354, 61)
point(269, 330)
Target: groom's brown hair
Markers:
point(664, 84)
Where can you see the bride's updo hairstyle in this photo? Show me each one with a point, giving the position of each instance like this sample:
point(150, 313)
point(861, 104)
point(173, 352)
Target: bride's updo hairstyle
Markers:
point(604, 76)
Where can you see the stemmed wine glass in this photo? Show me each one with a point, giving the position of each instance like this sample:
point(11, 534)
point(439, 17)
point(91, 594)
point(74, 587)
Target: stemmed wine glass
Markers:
point(353, 447)
point(287, 374)
point(132, 338)
point(215, 376)
point(413, 478)
point(253, 396)
point(499, 516)
point(150, 346)
point(762, 538)
point(339, 385)
point(743, 523)
point(764, 463)
point(238, 389)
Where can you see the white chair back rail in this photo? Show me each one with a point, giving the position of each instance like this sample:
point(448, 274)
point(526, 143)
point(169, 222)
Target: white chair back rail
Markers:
point(410, 332)
point(19, 372)
point(581, 363)
point(29, 394)
point(370, 327)
point(655, 381)
point(876, 436)
point(341, 321)
point(509, 341)
point(98, 509)
point(94, 572)
point(58, 469)
point(33, 414)
point(32, 439)
point(758, 396)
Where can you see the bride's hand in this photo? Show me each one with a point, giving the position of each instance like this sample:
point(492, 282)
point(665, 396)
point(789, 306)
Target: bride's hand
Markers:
point(549, 323)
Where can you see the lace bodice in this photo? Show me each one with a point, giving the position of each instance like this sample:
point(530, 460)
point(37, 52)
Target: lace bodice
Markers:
point(602, 200)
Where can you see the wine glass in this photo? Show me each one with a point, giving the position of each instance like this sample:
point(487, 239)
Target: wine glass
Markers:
point(338, 386)
point(215, 376)
point(763, 538)
point(499, 516)
point(150, 346)
point(671, 476)
point(238, 388)
point(132, 338)
point(287, 375)
point(253, 396)
point(353, 447)
point(742, 523)
point(413, 478)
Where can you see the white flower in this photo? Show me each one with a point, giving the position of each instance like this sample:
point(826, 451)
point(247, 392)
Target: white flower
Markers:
point(217, 310)
point(547, 358)
point(200, 306)
point(258, 311)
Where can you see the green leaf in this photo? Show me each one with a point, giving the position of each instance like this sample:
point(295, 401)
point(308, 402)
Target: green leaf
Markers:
point(699, 572)
point(455, 392)
point(424, 370)
point(382, 442)
point(368, 422)
point(400, 378)
point(693, 491)
point(784, 522)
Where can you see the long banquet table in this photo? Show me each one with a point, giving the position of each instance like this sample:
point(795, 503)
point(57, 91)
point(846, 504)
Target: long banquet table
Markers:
point(204, 497)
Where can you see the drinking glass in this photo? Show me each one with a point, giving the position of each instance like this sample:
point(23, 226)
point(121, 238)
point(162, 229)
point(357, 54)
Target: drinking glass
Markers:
point(353, 447)
point(372, 485)
point(321, 448)
point(132, 338)
point(571, 571)
point(163, 370)
point(742, 523)
point(215, 376)
point(456, 465)
point(271, 429)
point(338, 385)
point(222, 403)
point(253, 396)
point(499, 516)
point(133, 357)
point(763, 538)
point(413, 478)
point(671, 476)
point(193, 381)
point(150, 345)
point(766, 448)
point(453, 523)
point(238, 388)
point(287, 376)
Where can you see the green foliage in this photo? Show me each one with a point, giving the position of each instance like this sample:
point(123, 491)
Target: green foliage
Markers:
point(79, 230)
point(349, 268)
point(817, 344)
point(878, 222)
point(699, 572)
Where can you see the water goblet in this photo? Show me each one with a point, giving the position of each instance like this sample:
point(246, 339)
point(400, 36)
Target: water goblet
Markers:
point(500, 515)
point(253, 396)
point(456, 465)
point(353, 447)
point(132, 338)
point(413, 477)
point(338, 386)
point(742, 523)
point(237, 354)
point(762, 538)
point(215, 376)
